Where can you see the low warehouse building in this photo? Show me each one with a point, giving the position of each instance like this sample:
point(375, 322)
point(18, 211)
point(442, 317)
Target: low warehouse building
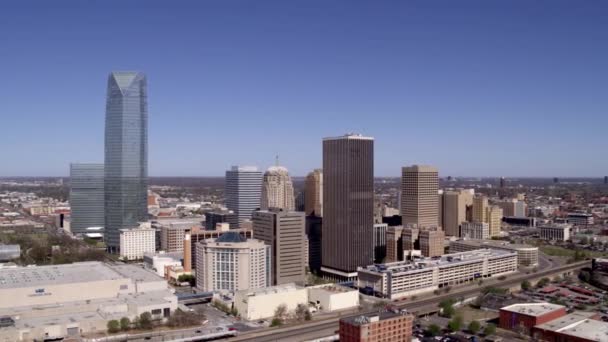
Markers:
point(523, 317)
point(261, 303)
point(332, 297)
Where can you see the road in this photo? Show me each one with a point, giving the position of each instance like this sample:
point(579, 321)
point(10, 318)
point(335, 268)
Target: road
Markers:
point(327, 327)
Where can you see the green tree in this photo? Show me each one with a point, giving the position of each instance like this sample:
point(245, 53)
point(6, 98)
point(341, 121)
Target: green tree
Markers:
point(301, 312)
point(433, 330)
point(276, 322)
point(455, 324)
point(113, 326)
point(490, 329)
point(447, 308)
point(145, 321)
point(474, 327)
point(585, 276)
point(125, 323)
point(543, 282)
point(525, 285)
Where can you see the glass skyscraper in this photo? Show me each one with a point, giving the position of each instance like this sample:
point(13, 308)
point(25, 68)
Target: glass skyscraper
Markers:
point(126, 154)
point(86, 197)
point(243, 191)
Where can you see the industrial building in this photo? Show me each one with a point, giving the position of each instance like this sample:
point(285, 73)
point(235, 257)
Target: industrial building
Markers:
point(524, 317)
point(384, 326)
point(526, 255)
point(576, 327)
point(405, 278)
point(54, 302)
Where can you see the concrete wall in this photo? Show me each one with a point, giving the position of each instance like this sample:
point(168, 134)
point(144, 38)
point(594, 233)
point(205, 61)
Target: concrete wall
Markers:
point(332, 301)
point(263, 305)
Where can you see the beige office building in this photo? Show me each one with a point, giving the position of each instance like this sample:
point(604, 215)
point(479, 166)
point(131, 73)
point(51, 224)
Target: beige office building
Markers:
point(284, 231)
point(455, 203)
point(172, 237)
point(495, 215)
point(277, 189)
point(232, 263)
point(480, 208)
point(419, 201)
point(431, 242)
point(394, 249)
point(313, 190)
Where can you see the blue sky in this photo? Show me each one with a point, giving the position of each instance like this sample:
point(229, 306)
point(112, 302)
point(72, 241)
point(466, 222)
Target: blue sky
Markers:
point(477, 88)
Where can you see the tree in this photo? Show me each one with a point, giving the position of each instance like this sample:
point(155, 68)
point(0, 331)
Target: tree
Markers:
point(433, 330)
point(455, 324)
point(186, 278)
point(525, 285)
point(490, 329)
point(280, 314)
point(474, 327)
point(145, 321)
point(125, 323)
point(585, 276)
point(113, 326)
point(543, 282)
point(276, 322)
point(301, 312)
point(447, 308)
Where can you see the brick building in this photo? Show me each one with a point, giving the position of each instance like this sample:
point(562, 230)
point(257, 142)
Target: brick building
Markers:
point(385, 326)
point(523, 317)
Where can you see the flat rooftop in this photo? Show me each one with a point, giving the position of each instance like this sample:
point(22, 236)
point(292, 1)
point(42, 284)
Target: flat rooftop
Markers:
point(578, 324)
point(289, 287)
point(375, 317)
point(444, 260)
point(494, 243)
point(533, 309)
point(80, 272)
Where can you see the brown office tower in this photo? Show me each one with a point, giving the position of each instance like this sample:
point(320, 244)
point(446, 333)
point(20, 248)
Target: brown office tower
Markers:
point(313, 190)
point(284, 232)
point(394, 244)
point(391, 326)
point(187, 253)
point(431, 242)
point(348, 205)
point(455, 203)
point(419, 199)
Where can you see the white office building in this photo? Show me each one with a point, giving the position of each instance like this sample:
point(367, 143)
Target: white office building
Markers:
point(556, 232)
point(475, 230)
point(134, 243)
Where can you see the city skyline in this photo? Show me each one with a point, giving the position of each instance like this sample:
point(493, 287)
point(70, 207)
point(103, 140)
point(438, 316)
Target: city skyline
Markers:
point(512, 76)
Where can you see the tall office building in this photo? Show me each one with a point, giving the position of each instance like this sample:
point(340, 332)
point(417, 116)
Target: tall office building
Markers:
point(277, 189)
point(419, 201)
point(380, 242)
point(513, 208)
point(86, 196)
point(495, 215)
point(284, 231)
point(431, 242)
point(348, 205)
point(455, 204)
point(313, 188)
point(126, 154)
point(243, 191)
point(314, 230)
point(480, 208)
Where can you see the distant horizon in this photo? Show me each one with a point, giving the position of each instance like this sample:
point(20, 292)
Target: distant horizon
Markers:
point(398, 176)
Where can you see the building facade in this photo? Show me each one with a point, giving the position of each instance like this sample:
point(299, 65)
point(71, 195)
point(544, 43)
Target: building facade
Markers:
point(284, 232)
point(314, 235)
point(135, 242)
point(348, 204)
point(86, 197)
point(232, 263)
point(394, 244)
point(384, 326)
point(243, 191)
point(455, 203)
point(556, 231)
point(480, 208)
point(527, 255)
point(221, 216)
point(313, 189)
point(495, 215)
point(380, 242)
point(523, 317)
point(475, 230)
point(419, 201)
point(126, 154)
point(277, 189)
point(431, 242)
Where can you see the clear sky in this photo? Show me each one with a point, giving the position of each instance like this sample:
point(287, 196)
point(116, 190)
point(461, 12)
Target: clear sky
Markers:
point(476, 88)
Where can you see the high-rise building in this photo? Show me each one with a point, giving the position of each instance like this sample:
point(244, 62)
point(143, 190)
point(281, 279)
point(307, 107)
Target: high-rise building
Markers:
point(243, 191)
point(86, 197)
point(172, 236)
point(503, 182)
point(314, 235)
point(513, 208)
point(480, 208)
point(232, 263)
point(126, 154)
point(277, 189)
point(348, 205)
point(380, 242)
point(394, 244)
point(455, 204)
point(475, 230)
point(495, 215)
point(284, 232)
point(221, 216)
point(419, 202)
point(313, 188)
point(431, 242)
point(135, 242)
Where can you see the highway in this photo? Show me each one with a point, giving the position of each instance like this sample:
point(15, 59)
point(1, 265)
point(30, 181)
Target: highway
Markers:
point(326, 327)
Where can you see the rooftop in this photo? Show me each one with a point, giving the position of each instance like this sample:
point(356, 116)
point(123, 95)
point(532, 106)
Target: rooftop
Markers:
point(80, 272)
point(494, 243)
point(533, 309)
point(442, 261)
point(578, 324)
point(352, 136)
point(289, 287)
point(369, 318)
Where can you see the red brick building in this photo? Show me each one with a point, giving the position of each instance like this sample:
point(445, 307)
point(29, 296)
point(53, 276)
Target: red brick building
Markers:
point(385, 326)
point(523, 317)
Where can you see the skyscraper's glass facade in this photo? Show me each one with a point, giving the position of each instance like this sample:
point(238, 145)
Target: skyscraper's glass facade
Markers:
point(243, 191)
point(126, 154)
point(86, 197)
